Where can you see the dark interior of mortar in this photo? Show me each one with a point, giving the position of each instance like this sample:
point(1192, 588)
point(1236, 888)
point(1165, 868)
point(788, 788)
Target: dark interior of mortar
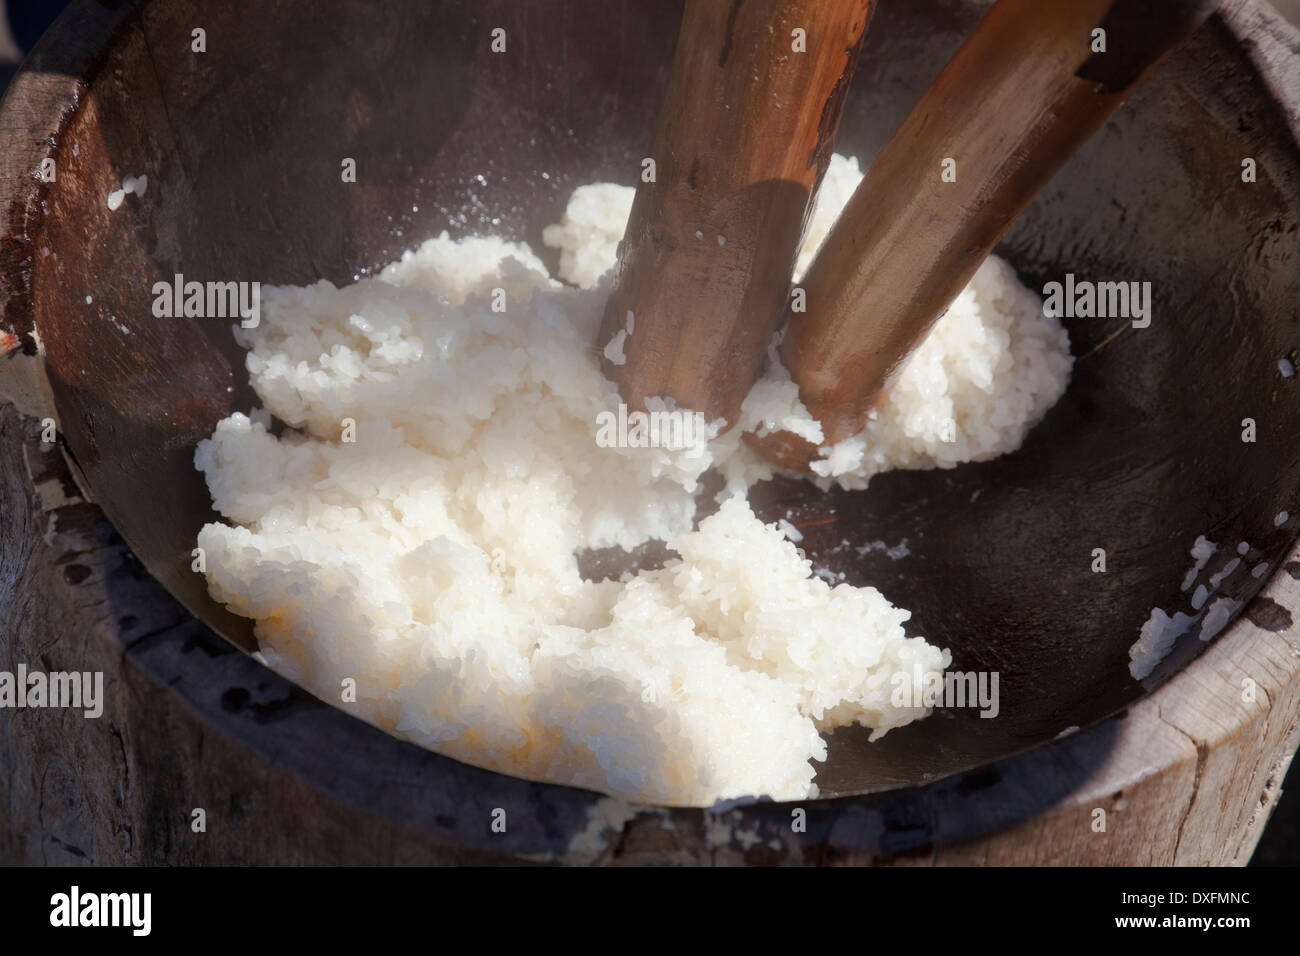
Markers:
point(243, 146)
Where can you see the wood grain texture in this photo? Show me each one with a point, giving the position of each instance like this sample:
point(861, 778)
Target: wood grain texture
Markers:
point(743, 137)
point(1008, 112)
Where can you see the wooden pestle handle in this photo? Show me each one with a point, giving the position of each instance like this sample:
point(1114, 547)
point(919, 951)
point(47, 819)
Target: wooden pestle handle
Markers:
point(743, 137)
point(1019, 98)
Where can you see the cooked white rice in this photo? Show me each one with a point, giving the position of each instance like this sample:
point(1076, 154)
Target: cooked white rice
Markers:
point(432, 560)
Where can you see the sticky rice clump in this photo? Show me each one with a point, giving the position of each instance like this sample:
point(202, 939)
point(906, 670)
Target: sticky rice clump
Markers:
point(414, 532)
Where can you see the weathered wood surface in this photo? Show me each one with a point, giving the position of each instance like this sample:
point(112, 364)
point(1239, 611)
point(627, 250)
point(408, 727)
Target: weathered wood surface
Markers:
point(1010, 109)
point(1188, 776)
point(705, 264)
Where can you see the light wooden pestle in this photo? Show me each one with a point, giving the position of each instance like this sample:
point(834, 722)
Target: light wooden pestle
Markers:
point(1019, 98)
point(743, 137)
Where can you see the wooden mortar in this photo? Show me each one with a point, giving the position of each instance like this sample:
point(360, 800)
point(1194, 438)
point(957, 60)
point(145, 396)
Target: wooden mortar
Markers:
point(1142, 454)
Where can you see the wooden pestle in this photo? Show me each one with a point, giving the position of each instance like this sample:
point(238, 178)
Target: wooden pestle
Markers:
point(743, 137)
point(1019, 98)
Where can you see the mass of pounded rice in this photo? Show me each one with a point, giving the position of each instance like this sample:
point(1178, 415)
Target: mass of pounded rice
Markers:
point(418, 532)
point(988, 371)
